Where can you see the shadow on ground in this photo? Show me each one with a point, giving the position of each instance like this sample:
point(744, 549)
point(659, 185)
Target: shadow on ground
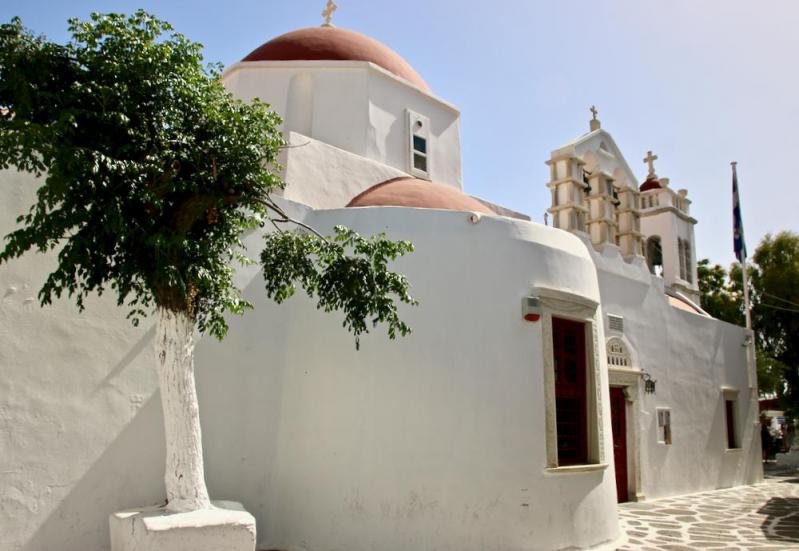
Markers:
point(782, 522)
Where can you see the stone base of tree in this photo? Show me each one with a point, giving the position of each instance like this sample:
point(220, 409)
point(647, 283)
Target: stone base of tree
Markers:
point(225, 526)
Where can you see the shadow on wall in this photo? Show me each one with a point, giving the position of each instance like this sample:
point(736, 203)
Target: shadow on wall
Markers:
point(129, 473)
point(780, 524)
point(240, 395)
point(144, 342)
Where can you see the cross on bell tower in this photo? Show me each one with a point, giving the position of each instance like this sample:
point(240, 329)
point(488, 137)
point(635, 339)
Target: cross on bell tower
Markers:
point(327, 13)
point(650, 160)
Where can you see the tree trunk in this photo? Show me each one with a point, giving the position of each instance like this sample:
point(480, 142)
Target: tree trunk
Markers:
point(174, 351)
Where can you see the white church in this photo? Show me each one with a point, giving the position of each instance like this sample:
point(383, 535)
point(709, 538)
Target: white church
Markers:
point(553, 370)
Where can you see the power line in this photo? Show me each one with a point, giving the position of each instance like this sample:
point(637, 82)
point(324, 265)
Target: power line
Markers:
point(780, 299)
point(778, 308)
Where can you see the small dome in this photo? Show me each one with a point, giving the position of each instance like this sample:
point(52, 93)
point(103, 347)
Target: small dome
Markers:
point(416, 193)
point(651, 183)
point(334, 44)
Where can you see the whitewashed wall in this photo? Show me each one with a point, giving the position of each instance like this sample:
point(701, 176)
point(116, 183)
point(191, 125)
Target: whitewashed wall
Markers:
point(693, 358)
point(355, 106)
point(434, 438)
point(435, 441)
point(80, 416)
point(323, 176)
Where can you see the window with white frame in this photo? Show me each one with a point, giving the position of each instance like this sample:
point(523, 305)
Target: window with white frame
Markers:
point(664, 426)
point(418, 145)
point(571, 372)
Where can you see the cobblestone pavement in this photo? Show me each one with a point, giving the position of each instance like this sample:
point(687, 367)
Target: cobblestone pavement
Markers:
point(751, 518)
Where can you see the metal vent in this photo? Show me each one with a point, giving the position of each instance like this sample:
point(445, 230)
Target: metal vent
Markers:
point(616, 323)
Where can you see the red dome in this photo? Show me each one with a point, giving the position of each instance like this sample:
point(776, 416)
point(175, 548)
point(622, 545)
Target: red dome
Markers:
point(651, 183)
point(416, 193)
point(334, 44)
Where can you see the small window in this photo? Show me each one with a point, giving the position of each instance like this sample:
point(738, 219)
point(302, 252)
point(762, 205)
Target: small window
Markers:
point(730, 398)
point(684, 257)
point(418, 145)
point(617, 353)
point(664, 426)
point(689, 271)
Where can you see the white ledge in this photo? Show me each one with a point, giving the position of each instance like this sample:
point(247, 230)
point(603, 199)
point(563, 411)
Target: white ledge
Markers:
point(576, 468)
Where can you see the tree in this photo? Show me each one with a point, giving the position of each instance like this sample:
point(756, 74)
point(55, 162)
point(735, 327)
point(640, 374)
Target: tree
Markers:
point(151, 173)
point(775, 312)
point(773, 276)
point(718, 298)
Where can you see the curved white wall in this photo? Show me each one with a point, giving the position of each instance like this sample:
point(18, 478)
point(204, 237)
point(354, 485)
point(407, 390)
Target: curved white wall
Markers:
point(434, 441)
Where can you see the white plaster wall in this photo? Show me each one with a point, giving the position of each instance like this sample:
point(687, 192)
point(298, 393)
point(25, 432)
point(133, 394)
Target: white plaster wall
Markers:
point(692, 358)
point(434, 441)
point(80, 417)
point(355, 106)
point(434, 438)
point(388, 133)
point(338, 98)
point(323, 176)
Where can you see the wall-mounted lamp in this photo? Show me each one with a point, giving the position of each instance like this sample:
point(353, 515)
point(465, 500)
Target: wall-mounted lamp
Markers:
point(531, 308)
point(747, 341)
point(649, 383)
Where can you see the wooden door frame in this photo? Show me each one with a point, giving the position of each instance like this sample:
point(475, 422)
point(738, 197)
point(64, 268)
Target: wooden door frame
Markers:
point(631, 381)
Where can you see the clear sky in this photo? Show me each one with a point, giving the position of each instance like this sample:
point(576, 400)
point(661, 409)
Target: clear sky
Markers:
point(700, 82)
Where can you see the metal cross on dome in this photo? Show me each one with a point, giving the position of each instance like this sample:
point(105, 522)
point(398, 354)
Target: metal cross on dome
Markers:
point(593, 112)
point(327, 13)
point(650, 160)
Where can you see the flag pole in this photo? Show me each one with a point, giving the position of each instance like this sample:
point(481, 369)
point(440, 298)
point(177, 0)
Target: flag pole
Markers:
point(740, 252)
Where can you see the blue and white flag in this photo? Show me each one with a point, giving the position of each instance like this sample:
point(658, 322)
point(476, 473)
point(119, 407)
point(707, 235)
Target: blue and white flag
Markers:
point(737, 223)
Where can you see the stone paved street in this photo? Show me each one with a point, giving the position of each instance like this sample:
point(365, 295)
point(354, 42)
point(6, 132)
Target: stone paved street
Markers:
point(750, 518)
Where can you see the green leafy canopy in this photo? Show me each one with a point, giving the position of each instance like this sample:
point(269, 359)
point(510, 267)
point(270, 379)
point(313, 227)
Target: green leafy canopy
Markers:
point(152, 172)
point(773, 275)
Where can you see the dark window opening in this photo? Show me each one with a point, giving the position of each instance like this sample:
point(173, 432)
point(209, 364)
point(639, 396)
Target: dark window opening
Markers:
point(420, 162)
point(419, 144)
point(571, 403)
point(654, 255)
point(729, 411)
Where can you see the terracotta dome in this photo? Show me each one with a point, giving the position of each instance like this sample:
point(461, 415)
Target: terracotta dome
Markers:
point(416, 193)
point(334, 44)
point(651, 183)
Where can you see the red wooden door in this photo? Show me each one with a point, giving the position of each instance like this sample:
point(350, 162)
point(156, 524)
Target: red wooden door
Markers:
point(570, 391)
point(618, 419)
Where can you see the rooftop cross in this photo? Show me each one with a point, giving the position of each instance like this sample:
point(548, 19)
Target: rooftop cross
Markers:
point(327, 13)
point(650, 160)
point(593, 124)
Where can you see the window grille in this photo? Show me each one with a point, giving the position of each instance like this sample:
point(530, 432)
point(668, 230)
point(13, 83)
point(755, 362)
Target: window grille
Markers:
point(618, 355)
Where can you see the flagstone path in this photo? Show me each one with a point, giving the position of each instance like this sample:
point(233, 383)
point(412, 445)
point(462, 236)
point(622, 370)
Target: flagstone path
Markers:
point(751, 518)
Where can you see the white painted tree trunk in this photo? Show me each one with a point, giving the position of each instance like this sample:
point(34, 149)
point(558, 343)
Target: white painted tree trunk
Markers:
point(174, 351)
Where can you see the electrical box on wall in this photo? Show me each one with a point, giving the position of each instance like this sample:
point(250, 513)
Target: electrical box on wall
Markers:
point(531, 308)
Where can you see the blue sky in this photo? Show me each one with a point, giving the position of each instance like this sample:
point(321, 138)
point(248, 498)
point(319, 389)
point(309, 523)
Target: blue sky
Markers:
point(701, 83)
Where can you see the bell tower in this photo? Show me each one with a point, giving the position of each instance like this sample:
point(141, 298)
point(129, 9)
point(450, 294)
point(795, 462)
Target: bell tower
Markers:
point(669, 229)
point(595, 193)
